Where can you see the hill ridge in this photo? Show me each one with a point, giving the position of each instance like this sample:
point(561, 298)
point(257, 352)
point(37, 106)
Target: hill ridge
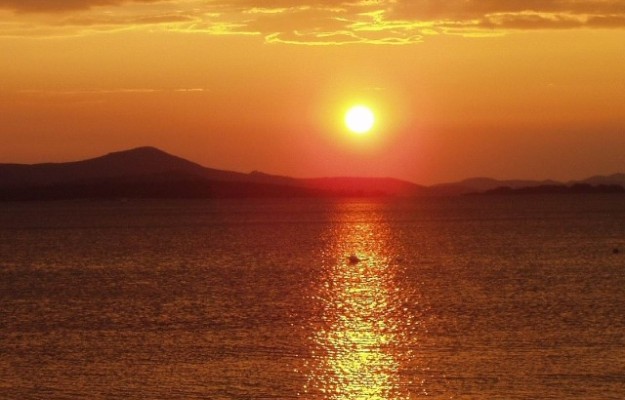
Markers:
point(149, 165)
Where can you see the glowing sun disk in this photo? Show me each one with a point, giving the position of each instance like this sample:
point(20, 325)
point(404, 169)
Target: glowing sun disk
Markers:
point(359, 119)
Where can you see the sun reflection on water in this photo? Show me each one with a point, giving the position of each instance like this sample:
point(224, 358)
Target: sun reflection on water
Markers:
point(362, 324)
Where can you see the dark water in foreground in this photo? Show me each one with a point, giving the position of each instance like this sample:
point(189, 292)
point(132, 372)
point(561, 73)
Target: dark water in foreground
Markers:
point(476, 298)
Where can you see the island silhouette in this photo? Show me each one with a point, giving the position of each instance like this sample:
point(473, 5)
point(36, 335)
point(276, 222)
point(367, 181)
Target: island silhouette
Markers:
point(148, 172)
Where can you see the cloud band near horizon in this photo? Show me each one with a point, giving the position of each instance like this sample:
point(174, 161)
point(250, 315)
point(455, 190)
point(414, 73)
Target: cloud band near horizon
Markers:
point(311, 22)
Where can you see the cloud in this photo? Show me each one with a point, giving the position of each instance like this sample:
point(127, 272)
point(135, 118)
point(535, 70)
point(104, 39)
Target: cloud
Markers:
point(100, 92)
point(471, 9)
point(410, 21)
point(315, 22)
point(126, 20)
point(60, 5)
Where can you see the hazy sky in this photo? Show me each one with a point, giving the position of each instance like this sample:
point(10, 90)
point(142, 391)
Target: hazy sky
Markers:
point(460, 88)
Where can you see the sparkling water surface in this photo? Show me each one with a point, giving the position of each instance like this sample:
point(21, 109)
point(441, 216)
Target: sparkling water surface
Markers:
point(519, 297)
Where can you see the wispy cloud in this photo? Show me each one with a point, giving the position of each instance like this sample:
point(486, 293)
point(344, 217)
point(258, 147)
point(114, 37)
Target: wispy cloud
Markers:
point(115, 91)
point(38, 6)
point(311, 22)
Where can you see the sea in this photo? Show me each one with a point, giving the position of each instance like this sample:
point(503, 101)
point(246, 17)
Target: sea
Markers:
point(472, 297)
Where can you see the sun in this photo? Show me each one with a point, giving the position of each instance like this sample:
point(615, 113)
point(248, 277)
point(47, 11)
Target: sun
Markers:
point(359, 119)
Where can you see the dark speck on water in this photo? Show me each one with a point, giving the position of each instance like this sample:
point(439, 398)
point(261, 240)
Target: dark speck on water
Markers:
point(353, 259)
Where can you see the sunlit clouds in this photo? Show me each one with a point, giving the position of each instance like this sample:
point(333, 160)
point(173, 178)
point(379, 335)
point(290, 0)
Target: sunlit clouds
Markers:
point(308, 22)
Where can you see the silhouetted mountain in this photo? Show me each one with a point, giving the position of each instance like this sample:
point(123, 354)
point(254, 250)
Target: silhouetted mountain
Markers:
point(578, 188)
point(481, 185)
point(614, 179)
point(366, 186)
point(166, 185)
point(477, 185)
point(149, 172)
point(136, 162)
point(347, 185)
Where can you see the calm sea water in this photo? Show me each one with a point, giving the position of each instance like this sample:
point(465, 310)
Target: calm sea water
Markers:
point(467, 298)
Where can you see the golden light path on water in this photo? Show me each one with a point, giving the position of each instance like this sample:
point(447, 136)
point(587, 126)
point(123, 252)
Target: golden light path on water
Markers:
point(358, 344)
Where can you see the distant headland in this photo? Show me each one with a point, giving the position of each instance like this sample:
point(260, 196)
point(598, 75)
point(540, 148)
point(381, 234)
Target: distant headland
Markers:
point(147, 172)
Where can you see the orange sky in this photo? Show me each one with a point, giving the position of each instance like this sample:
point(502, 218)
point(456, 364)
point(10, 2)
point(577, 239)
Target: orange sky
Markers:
point(501, 88)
